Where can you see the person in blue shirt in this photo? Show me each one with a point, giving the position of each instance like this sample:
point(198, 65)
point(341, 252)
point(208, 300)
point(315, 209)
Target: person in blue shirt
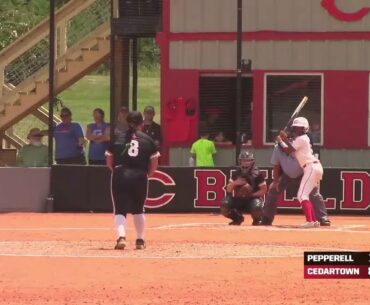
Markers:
point(98, 134)
point(69, 140)
point(287, 171)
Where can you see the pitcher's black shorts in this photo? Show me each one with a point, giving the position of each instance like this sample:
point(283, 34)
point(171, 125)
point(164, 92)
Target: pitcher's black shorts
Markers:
point(129, 191)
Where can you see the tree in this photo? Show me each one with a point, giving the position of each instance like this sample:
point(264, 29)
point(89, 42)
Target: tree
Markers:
point(17, 17)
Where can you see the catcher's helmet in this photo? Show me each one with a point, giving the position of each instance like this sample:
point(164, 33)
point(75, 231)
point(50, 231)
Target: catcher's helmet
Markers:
point(301, 122)
point(134, 118)
point(246, 160)
point(246, 155)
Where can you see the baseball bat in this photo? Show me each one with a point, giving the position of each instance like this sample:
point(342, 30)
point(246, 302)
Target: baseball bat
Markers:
point(296, 112)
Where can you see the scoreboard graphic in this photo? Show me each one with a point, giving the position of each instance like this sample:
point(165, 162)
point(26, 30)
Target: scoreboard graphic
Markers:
point(337, 265)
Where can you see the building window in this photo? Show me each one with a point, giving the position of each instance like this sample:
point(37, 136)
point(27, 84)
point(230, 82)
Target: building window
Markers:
point(217, 99)
point(283, 94)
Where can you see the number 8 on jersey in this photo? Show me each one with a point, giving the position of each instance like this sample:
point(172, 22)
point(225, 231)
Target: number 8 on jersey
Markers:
point(133, 151)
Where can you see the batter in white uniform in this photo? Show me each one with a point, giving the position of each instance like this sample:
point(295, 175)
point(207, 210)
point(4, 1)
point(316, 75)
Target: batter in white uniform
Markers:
point(301, 148)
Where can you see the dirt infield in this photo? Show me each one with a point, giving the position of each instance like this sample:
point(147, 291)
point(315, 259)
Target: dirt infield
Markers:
point(190, 259)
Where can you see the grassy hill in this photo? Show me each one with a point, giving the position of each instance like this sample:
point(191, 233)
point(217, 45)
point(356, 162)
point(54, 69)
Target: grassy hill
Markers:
point(92, 92)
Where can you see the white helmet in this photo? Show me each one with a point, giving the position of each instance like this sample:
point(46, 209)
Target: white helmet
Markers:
point(301, 122)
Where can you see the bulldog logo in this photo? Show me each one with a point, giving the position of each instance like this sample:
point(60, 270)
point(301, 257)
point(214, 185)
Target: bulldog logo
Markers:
point(333, 10)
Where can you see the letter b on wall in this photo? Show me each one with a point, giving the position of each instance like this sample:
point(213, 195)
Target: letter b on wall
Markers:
point(210, 188)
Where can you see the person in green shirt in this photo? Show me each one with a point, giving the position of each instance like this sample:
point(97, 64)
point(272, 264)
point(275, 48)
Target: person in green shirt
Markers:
point(202, 151)
point(34, 154)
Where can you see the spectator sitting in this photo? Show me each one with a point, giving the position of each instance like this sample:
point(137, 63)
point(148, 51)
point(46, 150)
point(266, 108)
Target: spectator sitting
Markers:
point(213, 121)
point(220, 139)
point(98, 134)
point(34, 154)
point(69, 140)
point(202, 151)
point(121, 126)
point(152, 128)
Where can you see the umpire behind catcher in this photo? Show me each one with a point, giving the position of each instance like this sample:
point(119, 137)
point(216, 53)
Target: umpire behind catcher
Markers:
point(245, 191)
point(286, 171)
point(129, 183)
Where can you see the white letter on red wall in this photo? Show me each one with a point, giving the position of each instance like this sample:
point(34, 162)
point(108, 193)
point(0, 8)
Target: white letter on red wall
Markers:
point(164, 199)
point(210, 188)
point(353, 200)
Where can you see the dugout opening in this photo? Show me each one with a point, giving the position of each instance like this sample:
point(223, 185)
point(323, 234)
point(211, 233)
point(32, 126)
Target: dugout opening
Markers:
point(217, 108)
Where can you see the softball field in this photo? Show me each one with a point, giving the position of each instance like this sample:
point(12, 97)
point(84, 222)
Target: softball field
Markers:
point(190, 259)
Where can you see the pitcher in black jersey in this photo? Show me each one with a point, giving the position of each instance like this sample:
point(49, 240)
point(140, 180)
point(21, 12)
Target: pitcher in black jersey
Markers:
point(129, 183)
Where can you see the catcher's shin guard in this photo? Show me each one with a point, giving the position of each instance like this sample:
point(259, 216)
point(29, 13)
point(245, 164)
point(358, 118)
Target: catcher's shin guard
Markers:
point(256, 209)
point(229, 212)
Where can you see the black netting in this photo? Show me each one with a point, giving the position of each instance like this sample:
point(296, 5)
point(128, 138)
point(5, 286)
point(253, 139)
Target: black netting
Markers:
point(283, 94)
point(218, 104)
point(140, 7)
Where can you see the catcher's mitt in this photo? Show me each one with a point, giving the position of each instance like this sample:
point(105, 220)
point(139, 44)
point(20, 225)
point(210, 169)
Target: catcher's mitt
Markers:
point(243, 191)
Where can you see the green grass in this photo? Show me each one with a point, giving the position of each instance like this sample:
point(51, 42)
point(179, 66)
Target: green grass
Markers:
point(91, 92)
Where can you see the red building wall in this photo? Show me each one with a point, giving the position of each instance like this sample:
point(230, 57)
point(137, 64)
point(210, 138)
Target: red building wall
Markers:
point(346, 93)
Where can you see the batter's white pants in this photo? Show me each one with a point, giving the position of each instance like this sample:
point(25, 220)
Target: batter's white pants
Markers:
point(312, 174)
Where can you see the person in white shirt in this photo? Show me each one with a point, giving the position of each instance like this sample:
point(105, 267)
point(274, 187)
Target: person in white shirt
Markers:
point(300, 147)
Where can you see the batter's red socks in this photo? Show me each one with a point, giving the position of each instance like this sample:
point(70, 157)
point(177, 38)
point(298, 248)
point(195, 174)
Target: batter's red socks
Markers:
point(308, 210)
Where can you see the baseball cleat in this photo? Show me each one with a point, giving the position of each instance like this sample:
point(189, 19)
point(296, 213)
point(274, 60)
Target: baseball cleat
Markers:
point(308, 224)
point(317, 224)
point(264, 222)
point(237, 222)
point(140, 244)
point(257, 222)
point(325, 222)
point(121, 243)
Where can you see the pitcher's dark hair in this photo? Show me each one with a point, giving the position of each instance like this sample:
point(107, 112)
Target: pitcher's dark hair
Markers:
point(134, 119)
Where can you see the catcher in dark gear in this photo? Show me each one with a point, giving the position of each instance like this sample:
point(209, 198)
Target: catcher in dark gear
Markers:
point(245, 191)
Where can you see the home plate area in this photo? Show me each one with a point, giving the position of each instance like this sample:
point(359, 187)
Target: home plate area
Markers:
point(294, 227)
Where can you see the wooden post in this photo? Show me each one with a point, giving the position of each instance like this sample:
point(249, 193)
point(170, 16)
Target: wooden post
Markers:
point(2, 80)
point(62, 39)
point(1, 139)
point(10, 133)
point(115, 9)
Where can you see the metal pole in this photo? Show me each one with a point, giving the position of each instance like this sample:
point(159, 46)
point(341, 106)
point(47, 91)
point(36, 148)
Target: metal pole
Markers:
point(51, 78)
point(134, 72)
point(238, 106)
point(112, 76)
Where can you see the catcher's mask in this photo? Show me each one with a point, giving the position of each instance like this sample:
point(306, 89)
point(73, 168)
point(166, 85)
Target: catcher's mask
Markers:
point(246, 160)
